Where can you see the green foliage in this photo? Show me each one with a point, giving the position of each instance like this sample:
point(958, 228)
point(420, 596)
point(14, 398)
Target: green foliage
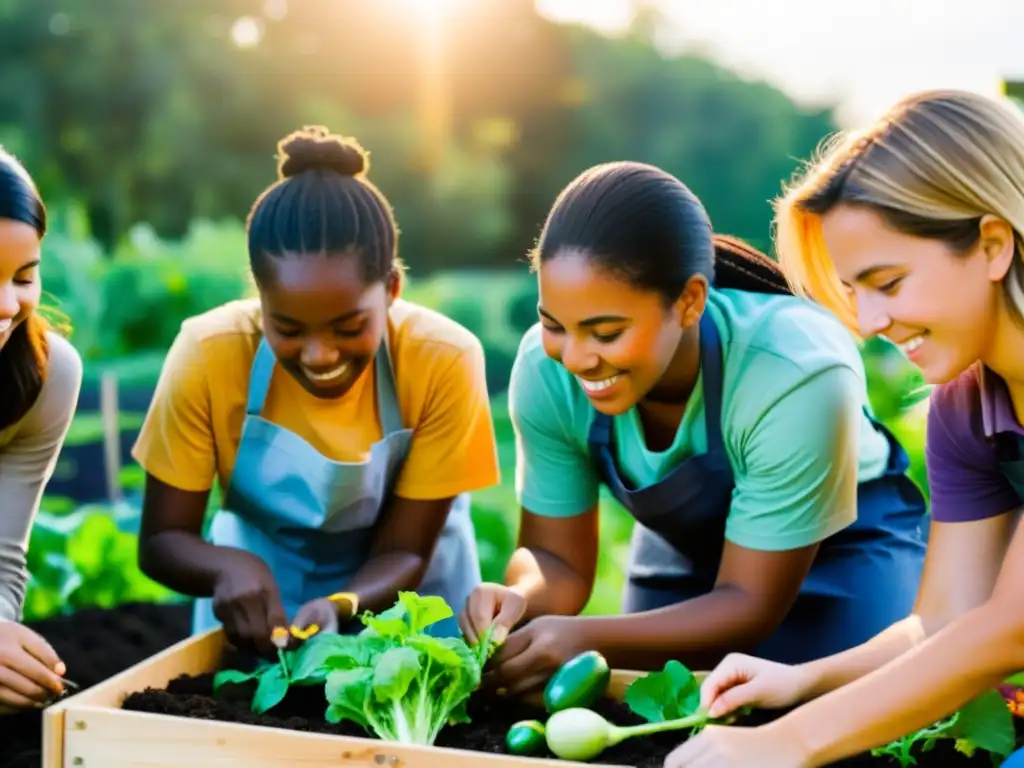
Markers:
point(394, 679)
point(984, 723)
point(84, 558)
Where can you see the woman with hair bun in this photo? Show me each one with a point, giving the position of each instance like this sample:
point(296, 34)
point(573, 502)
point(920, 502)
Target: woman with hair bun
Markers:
point(346, 425)
point(731, 419)
point(913, 229)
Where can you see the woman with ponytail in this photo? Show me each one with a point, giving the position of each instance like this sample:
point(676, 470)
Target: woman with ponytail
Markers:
point(40, 376)
point(730, 418)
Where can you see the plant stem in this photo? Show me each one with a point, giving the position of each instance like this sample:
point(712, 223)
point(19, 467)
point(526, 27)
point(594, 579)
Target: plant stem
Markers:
point(284, 664)
point(690, 721)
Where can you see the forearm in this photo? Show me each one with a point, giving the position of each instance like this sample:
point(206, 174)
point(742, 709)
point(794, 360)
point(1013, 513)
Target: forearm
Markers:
point(975, 653)
point(182, 561)
point(698, 632)
point(549, 585)
point(831, 672)
point(379, 580)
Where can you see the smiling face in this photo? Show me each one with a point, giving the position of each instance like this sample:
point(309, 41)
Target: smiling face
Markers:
point(323, 323)
point(941, 307)
point(20, 287)
point(616, 340)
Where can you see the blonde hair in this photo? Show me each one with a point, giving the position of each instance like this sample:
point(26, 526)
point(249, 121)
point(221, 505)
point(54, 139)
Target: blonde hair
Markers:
point(932, 166)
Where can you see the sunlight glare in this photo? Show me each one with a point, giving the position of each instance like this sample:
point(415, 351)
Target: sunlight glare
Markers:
point(433, 9)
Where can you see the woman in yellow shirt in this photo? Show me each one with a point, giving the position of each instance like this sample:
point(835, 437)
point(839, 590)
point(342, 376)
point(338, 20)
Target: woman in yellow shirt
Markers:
point(345, 424)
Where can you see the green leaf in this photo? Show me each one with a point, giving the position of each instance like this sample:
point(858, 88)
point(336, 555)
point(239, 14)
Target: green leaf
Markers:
point(347, 691)
point(424, 611)
point(394, 672)
point(271, 690)
point(233, 676)
point(986, 722)
point(667, 695)
point(321, 653)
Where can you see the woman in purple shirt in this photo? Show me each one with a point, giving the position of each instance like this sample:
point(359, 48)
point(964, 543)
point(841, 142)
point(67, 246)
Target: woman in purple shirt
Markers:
point(913, 229)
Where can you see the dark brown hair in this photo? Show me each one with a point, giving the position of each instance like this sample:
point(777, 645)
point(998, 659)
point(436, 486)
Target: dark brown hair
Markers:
point(23, 359)
point(644, 225)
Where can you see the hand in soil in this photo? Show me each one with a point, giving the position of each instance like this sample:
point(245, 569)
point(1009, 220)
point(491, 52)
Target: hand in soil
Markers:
point(742, 680)
point(247, 601)
point(30, 669)
point(718, 746)
point(491, 604)
point(532, 654)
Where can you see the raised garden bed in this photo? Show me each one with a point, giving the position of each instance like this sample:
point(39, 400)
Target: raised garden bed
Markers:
point(165, 709)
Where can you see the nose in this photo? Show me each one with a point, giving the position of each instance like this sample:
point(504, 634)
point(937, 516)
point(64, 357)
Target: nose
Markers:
point(576, 358)
point(872, 315)
point(318, 355)
point(9, 304)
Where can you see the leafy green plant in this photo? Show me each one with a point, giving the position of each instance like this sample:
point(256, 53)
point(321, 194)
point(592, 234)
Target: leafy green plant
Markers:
point(403, 684)
point(668, 700)
point(984, 723)
point(393, 678)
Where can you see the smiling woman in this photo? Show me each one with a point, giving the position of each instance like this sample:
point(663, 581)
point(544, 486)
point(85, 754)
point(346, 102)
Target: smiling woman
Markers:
point(730, 418)
point(40, 376)
point(346, 424)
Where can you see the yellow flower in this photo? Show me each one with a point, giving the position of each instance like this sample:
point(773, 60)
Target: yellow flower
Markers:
point(305, 634)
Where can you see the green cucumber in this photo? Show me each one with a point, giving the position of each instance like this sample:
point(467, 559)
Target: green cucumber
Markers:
point(525, 737)
point(580, 682)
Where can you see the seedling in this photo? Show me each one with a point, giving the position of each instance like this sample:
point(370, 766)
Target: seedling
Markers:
point(984, 723)
point(392, 678)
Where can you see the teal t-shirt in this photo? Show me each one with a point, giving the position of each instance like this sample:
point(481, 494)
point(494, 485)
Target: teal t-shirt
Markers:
point(793, 423)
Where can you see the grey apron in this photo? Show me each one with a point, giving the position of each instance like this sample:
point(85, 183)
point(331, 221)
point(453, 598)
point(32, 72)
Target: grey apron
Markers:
point(313, 519)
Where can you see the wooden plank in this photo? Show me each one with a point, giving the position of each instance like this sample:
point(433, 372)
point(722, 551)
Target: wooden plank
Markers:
point(91, 729)
point(119, 739)
point(192, 656)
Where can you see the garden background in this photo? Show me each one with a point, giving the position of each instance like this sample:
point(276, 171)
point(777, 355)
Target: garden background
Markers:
point(151, 125)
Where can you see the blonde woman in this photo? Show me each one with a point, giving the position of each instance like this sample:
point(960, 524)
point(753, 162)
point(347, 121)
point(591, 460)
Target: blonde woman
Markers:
point(912, 229)
point(40, 375)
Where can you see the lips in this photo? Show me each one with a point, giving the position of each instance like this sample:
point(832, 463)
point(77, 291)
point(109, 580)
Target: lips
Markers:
point(326, 377)
point(911, 345)
point(599, 386)
point(6, 325)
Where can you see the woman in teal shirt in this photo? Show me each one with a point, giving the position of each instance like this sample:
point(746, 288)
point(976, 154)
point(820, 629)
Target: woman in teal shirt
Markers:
point(728, 416)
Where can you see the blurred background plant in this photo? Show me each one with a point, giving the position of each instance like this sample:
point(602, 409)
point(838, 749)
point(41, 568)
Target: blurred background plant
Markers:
point(151, 127)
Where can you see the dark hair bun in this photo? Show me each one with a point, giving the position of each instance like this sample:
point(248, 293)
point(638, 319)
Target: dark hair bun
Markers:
point(316, 148)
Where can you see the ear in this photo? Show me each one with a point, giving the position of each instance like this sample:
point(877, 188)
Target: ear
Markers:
point(999, 244)
point(393, 285)
point(689, 307)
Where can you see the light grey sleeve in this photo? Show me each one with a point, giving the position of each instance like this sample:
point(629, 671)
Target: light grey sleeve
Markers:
point(26, 465)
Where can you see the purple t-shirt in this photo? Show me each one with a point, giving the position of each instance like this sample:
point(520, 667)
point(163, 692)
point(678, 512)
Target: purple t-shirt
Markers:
point(965, 416)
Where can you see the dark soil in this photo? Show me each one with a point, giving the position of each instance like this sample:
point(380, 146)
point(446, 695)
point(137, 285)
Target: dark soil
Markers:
point(303, 709)
point(96, 644)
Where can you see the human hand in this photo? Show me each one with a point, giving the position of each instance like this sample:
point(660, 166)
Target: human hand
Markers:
point(316, 616)
point(246, 600)
point(741, 680)
point(719, 746)
point(532, 654)
point(491, 604)
point(30, 670)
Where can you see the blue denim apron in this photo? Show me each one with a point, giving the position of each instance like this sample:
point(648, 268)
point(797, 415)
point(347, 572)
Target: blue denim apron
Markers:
point(313, 519)
point(863, 579)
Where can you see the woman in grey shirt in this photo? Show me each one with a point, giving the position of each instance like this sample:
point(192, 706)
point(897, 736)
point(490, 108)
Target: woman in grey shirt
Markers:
point(40, 375)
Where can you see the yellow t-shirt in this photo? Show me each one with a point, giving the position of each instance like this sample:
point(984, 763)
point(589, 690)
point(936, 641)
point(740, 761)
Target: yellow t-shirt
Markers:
point(194, 423)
